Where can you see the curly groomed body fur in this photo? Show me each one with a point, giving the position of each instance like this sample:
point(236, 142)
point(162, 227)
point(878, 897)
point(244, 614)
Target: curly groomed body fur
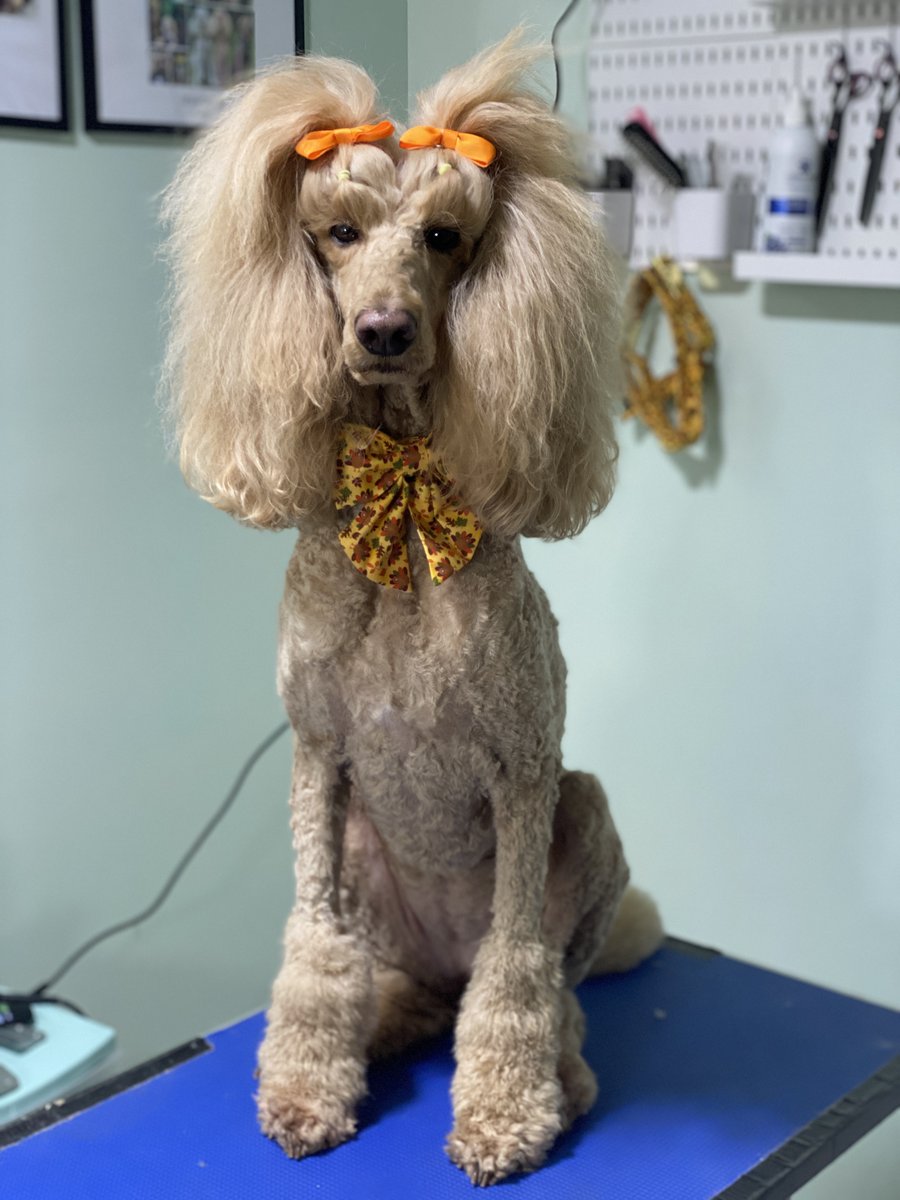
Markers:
point(448, 867)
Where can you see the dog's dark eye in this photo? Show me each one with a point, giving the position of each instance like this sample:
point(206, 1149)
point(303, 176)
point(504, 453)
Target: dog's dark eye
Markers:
point(345, 234)
point(441, 239)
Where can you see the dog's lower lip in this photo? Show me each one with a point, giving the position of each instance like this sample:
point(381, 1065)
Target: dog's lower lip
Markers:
point(379, 369)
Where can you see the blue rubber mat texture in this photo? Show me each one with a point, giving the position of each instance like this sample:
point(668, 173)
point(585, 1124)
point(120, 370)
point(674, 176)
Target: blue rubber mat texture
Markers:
point(706, 1066)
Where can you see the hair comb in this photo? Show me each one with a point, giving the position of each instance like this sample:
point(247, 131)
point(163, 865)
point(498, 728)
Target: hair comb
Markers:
point(639, 133)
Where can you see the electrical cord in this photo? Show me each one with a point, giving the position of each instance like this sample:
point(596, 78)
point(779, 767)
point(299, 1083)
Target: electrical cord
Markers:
point(39, 994)
point(568, 9)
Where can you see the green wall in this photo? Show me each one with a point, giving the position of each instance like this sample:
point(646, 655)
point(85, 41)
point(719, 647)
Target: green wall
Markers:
point(372, 34)
point(437, 42)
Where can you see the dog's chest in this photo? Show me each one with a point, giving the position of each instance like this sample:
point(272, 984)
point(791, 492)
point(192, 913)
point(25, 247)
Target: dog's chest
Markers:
point(412, 730)
point(424, 695)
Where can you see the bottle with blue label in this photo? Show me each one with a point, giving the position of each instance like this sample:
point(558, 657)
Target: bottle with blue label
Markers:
point(789, 216)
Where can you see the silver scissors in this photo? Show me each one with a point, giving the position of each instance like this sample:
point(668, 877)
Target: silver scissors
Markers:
point(846, 85)
point(888, 76)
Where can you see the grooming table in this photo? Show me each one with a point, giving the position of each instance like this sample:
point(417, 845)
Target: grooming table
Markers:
point(717, 1079)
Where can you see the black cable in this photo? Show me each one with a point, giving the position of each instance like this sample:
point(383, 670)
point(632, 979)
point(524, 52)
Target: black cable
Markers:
point(14, 1000)
point(38, 994)
point(556, 27)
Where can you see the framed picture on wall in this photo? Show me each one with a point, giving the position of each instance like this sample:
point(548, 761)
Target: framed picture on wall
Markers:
point(32, 64)
point(162, 66)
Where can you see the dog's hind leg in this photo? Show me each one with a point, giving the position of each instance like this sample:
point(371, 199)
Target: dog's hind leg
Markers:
point(578, 1082)
point(601, 924)
point(407, 1012)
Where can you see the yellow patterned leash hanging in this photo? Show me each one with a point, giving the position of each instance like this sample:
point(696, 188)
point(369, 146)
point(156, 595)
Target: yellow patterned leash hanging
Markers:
point(385, 479)
point(670, 405)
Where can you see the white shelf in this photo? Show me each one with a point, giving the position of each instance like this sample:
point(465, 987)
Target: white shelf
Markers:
point(835, 270)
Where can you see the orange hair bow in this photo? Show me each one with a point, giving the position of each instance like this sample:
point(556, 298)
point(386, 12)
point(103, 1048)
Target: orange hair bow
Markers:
point(470, 145)
point(320, 141)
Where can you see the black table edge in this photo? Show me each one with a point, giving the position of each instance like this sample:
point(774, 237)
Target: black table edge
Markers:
point(823, 1140)
point(60, 1110)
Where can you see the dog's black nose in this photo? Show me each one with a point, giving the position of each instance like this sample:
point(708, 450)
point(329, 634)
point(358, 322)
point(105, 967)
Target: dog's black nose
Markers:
point(386, 332)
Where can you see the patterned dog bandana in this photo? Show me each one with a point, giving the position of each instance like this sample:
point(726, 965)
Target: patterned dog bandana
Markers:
point(389, 479)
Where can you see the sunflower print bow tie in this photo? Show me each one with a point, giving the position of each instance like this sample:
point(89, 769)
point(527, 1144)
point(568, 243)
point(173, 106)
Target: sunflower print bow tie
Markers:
point(389, 479)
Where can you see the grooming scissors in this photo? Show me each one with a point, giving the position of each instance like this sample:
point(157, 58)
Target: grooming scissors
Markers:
point(846, 85)
point(888, 76)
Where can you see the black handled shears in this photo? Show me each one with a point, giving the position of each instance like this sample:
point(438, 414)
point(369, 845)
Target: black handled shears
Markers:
point(888, 76)
point(846, 85)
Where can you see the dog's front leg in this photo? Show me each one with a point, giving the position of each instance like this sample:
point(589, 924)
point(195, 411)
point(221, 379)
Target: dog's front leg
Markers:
point(506, 1093)
point(312, 1061)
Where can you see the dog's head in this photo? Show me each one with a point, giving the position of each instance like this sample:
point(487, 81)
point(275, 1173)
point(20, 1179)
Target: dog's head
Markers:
point(302, 283)
point(394, 236)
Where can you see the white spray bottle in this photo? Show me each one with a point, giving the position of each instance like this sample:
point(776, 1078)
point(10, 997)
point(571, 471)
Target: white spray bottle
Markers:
point(789, 216)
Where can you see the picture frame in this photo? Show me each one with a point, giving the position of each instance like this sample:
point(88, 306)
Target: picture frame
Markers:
point(33, 83)
point(162, 66)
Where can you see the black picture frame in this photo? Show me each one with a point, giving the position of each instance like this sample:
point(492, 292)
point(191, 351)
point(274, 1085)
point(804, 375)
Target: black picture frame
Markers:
point(97, 69)
point(42, 61)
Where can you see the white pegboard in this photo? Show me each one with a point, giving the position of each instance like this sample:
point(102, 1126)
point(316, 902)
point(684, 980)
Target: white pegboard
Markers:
point(720, 71)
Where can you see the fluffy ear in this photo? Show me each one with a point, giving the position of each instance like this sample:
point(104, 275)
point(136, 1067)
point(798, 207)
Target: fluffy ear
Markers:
point(524, 406)
point(253, 369)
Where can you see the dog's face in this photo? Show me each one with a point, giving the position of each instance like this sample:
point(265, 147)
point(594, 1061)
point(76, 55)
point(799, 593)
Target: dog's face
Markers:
point(393, 237)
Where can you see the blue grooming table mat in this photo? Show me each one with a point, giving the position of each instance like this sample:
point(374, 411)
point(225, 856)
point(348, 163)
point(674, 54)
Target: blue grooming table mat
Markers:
point(717, 1079)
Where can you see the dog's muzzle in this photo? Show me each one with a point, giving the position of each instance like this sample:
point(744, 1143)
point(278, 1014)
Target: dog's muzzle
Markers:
point(386, 332)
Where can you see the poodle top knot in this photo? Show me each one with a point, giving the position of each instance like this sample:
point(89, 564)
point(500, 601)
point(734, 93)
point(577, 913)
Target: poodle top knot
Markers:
point(475, 296)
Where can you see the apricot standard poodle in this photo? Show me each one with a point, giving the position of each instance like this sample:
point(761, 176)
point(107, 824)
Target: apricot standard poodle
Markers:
point(407, 350)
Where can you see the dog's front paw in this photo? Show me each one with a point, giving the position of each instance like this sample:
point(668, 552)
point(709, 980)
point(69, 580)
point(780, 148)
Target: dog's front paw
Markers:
point(301, 1121)
point(491, 1140)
